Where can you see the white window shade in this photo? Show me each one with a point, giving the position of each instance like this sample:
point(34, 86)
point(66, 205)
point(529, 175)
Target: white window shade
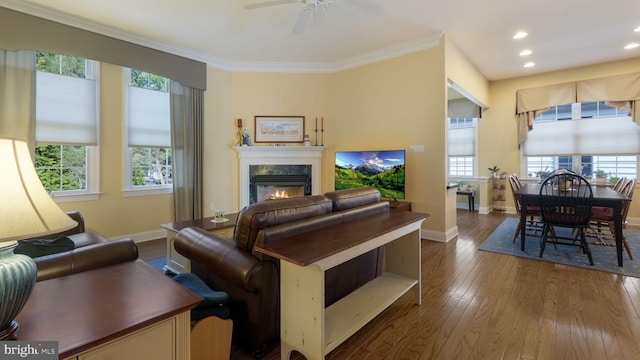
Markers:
point(461, 142)
point(462, 108)
point(599, 136)
point(66, 110)
point(149, 121)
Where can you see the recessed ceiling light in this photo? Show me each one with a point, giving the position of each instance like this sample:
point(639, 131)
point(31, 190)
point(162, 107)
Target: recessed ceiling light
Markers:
point(530, 64)
point(520, 35)
point(631, 46)
point(637, 29)
point(525, 52)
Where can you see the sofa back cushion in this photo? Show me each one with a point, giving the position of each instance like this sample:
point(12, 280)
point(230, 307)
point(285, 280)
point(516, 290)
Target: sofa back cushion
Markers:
point(269, 213)
point(351, 198)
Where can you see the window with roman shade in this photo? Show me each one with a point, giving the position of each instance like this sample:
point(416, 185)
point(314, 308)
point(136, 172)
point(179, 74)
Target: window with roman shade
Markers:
point(583, 137)
point(66, 126)
point(66, 109)
point(461, 146)
point(148, 155)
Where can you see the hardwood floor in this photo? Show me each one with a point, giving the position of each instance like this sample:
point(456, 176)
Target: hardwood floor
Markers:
point(482, 305)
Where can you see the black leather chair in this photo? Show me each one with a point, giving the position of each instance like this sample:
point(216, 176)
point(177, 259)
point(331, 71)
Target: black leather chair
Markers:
point(565, 201)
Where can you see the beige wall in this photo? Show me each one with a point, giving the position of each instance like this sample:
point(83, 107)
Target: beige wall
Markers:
point(113, 214)
point(387, 105)
point(391, 105)
point(464, 74)
point(497, 129)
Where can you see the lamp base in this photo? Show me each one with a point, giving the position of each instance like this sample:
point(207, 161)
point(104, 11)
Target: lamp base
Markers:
point(17, 279)
point(10, 332)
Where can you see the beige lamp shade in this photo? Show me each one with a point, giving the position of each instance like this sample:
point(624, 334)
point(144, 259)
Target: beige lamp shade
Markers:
point(26, 209)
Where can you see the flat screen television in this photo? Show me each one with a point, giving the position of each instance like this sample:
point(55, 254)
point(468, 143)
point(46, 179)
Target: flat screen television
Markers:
point(381, 169)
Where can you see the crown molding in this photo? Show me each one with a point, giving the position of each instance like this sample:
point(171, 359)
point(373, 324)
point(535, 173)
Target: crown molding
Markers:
point(389, 52)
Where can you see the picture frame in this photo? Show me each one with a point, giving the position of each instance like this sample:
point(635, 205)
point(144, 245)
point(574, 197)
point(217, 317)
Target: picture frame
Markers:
point(279, 129)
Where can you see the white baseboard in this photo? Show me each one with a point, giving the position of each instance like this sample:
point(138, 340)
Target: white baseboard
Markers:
point(144, 236)
point(438, 235)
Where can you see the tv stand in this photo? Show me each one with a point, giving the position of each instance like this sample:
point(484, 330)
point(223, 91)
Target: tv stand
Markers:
point(395, 204)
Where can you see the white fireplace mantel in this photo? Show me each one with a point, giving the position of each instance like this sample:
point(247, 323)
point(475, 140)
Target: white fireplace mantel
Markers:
point(279, 155)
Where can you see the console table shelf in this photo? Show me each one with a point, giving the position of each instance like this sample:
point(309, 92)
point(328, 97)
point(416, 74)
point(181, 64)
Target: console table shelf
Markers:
point(350, 314)
point(306, 325)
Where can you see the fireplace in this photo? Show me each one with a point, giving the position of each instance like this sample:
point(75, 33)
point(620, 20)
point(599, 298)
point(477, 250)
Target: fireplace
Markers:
point(269, 187)
point(291, 166)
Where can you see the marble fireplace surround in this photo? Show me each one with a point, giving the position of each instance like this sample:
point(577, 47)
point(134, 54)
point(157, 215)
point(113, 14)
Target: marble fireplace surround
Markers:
point(279, 155)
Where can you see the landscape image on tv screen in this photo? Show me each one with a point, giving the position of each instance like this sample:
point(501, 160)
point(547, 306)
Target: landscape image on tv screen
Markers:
point(383, 170)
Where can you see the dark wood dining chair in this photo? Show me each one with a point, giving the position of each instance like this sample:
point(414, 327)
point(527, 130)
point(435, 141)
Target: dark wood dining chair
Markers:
point(565, 202)
point(602, 225)
point(532, 226)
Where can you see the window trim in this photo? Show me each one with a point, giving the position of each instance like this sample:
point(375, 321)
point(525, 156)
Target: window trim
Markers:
point(92, 192)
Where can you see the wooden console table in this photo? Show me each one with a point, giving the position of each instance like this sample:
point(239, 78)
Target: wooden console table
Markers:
point(471, 197)
point(306, 325)
point(177, 263)
point(124, 311)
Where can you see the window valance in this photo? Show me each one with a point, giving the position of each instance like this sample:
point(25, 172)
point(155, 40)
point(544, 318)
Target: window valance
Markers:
point(19, 31)
point(622, 91)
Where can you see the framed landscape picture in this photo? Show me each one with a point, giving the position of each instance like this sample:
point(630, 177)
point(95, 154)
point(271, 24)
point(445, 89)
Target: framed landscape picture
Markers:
point(279, 129)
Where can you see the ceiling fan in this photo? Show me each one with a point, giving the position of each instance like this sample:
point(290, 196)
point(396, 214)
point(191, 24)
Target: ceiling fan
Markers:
point(301, 23)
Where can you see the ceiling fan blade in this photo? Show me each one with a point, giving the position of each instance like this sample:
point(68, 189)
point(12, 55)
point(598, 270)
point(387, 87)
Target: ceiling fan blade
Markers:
point(267, 3)
point(303, 18)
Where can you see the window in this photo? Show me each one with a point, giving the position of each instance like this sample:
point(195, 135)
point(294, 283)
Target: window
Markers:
point(62, 167)
point(583, 137)
point(462, 136)
point(148, 135)
point(66, 155)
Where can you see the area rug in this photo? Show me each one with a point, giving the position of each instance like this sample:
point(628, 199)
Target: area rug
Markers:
point(604, 257)
point(158, 263)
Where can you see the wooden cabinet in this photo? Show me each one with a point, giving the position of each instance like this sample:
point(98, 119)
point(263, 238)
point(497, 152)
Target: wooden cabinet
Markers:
point(157, 341)
point(124, 311)
point(399, 205)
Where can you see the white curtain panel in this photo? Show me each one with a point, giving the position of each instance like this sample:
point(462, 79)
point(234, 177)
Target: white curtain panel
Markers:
point(17, 94)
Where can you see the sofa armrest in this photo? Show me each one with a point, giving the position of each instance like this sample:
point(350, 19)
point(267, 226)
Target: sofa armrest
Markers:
point(77, 217)
point(86, 258)
point(221, 257)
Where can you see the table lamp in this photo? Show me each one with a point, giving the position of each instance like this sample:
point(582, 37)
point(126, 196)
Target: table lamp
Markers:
point(26, 211)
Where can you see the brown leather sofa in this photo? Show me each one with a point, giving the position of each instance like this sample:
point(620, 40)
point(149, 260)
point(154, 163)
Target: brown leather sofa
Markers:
point(91, 251)
point(252, 279)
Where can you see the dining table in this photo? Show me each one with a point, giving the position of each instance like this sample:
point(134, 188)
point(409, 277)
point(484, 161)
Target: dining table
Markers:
point(602, 196)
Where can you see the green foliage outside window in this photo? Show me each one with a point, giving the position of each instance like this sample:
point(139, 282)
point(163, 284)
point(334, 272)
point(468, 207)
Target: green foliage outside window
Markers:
point(150, 166)
point(61, 167)
point(61, 64)
point(150, 81)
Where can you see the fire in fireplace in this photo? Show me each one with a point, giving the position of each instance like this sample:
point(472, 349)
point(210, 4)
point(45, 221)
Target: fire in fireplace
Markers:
point(279, 186)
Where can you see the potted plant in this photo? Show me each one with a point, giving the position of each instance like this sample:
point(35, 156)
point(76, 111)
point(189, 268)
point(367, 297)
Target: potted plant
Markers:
point(543, 174)
point(601, 176)
point(494, 171)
